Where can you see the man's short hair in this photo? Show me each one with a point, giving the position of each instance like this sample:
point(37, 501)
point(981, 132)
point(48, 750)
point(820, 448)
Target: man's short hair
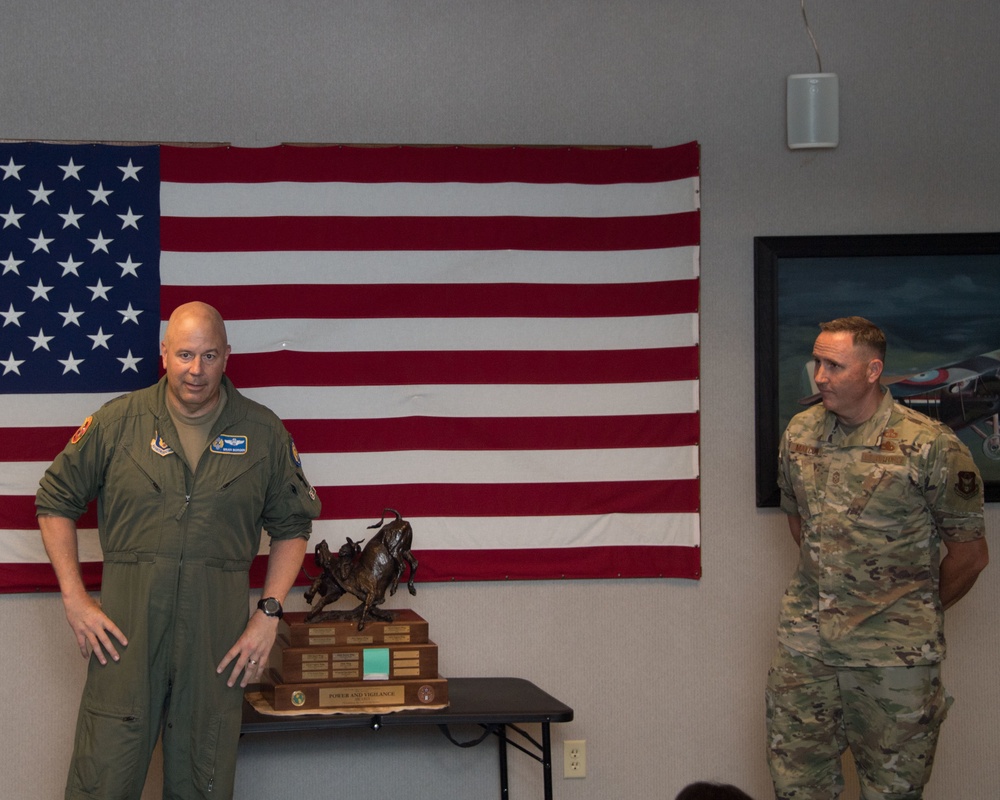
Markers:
point(864, 333)
point(703, 790)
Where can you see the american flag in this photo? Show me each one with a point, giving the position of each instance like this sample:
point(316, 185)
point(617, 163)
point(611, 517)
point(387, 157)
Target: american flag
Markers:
point(501, 343)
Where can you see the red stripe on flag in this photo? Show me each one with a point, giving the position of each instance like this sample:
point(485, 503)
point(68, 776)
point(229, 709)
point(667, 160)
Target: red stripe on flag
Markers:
point(269, 234)
point(567, 563)
point(413, 301)
point(460, 500)
point(33, 444)
point(428, 164)
point(579, 562)
point(448, 565)
point(429, 433)
point(512, 500)
point(41, 577)
point(541, 563)
point(17, 513)
point(292, 368)
point(491, 433)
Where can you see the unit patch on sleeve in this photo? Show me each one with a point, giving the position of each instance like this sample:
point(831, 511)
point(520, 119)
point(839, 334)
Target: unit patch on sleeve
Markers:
point(967, 485)
point(81, 431)
point(230, 445)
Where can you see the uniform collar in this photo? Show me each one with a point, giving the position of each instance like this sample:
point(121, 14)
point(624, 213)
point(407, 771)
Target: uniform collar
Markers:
point(234, 410)
point(867, 434)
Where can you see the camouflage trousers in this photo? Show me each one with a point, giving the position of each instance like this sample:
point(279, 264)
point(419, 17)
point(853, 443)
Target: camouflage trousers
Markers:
point(888, 716)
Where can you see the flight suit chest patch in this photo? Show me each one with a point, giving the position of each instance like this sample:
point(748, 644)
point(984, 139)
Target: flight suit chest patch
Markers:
point(159, 446)
point(230, 445)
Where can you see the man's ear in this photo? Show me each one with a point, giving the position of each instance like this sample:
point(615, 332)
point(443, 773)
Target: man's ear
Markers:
point(875, 367)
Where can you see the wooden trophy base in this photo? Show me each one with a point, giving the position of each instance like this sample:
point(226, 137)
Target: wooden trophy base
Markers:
point(356, 696)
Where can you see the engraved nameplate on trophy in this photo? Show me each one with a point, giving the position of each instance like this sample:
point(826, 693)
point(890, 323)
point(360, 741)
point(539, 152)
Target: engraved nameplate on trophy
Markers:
point(339, 628)
point(354, 662)
point(356, 695)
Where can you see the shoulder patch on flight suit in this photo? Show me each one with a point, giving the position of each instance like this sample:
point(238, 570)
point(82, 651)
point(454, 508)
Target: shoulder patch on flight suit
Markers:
point(81, 431)
point(230, 445)
point(159, 446)
point(293, 451)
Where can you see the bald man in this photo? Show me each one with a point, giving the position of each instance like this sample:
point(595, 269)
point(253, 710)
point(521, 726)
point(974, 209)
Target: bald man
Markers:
point(186, 474)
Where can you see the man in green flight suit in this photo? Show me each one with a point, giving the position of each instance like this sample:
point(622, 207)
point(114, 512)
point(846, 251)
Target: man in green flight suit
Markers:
point(186, 474)
point(871, 489)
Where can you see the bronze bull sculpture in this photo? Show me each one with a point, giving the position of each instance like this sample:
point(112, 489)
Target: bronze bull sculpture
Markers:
point(365, 573)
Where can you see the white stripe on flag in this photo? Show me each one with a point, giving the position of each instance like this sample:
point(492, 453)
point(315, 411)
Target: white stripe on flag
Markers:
point(488, 333)
point(449, 533)
point(392, 402)
point(460, 466)
point(504, 466)
point(288, 199)
point(428, 267)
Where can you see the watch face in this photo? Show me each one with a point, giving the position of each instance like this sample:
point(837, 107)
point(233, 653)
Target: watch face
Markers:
point(271, 607)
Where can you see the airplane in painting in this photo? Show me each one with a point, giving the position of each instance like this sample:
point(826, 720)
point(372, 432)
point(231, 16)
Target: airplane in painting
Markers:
point(965, 394)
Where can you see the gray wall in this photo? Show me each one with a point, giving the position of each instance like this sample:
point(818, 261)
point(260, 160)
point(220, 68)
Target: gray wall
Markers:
point(666, 677)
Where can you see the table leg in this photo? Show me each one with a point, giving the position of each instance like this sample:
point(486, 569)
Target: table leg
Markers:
point(547, 760)
point(502, 745)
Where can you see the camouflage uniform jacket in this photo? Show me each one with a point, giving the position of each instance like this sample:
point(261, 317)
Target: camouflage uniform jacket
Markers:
point(875, 504)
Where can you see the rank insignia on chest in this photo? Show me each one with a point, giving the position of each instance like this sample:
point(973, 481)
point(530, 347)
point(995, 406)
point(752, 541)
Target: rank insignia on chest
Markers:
point(230, 445)
point(159, 446)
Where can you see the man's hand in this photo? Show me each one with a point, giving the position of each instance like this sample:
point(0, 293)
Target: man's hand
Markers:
point(795, 527)
point(93, 628)
point(250, 653)
point(90, 624)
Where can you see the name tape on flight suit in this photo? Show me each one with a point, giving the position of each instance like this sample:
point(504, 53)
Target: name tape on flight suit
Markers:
point(230, 445)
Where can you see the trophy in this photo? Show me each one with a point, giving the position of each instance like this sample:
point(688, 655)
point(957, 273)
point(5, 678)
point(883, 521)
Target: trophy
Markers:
point(368, 658)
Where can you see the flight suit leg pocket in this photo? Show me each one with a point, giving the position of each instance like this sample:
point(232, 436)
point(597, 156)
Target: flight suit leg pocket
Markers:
point(111, 755)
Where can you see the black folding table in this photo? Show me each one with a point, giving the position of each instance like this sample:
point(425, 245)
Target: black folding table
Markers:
point(499, 706)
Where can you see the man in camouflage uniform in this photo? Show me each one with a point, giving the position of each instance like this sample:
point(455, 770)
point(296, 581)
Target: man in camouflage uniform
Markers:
point(871, 489)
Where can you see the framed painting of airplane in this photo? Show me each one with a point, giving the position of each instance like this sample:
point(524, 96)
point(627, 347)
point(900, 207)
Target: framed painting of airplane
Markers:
point(936, 297)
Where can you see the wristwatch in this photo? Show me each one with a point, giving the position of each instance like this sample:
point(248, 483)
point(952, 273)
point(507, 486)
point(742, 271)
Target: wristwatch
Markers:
point(270, 606)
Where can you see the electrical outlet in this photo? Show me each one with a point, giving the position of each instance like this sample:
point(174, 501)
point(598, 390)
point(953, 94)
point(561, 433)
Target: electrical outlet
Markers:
point(575, 758)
